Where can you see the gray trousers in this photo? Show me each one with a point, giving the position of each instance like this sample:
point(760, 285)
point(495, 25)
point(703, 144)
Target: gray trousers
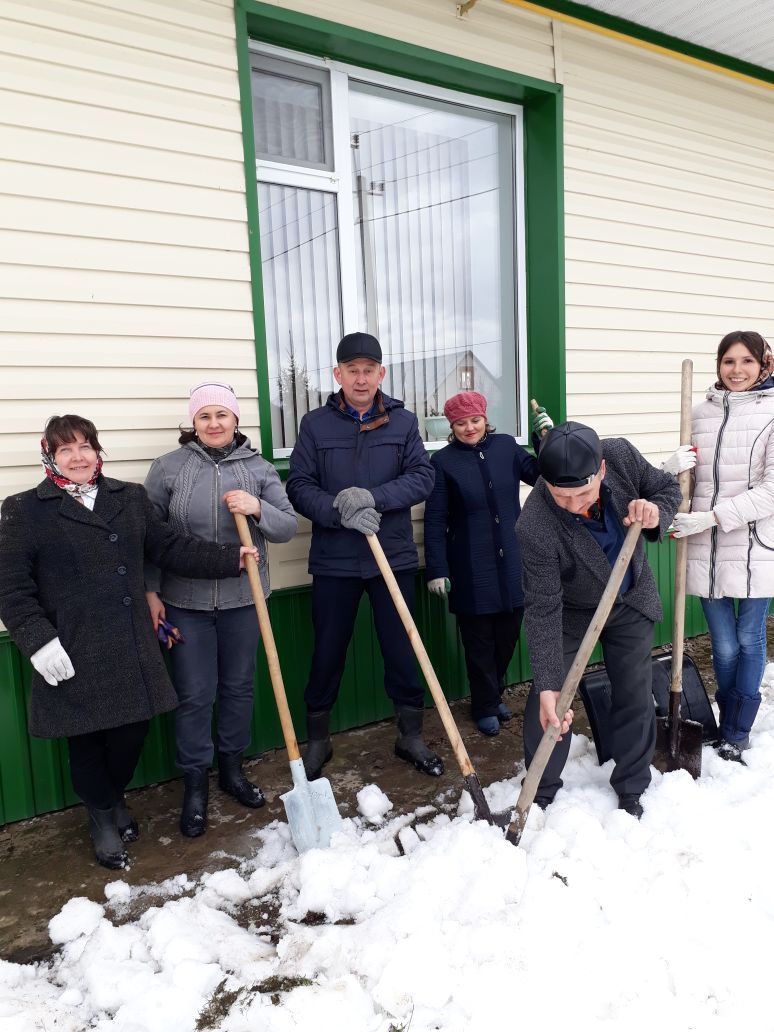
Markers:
point(217, 662)
point(627, 640)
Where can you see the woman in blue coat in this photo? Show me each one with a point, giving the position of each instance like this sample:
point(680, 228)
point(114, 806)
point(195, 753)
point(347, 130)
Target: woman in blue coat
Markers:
point(471, 549)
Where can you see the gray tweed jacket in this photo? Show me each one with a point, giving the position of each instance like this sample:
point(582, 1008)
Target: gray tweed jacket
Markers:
point(564, 570)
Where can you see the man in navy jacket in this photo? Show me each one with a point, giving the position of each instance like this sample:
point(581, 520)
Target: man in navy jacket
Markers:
point(357, 467)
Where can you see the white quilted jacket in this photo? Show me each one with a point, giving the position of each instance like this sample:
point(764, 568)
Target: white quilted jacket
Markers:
point(734, 437)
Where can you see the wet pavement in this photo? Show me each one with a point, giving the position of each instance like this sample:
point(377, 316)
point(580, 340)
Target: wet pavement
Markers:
point(47, 860)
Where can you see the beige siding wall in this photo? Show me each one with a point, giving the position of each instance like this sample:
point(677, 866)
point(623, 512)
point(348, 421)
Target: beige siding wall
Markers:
point(125, 274)
point(669, 180)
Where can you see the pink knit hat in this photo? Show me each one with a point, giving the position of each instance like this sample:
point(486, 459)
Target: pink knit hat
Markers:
point(212, 392)
point(464, 405)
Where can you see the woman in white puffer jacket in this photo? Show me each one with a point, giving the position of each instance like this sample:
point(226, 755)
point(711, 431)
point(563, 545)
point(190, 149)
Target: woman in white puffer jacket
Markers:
point(731, 551)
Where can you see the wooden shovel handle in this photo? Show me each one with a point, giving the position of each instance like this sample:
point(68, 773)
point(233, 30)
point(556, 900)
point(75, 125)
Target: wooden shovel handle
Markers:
point(534, 406)
point(572, 680)
point(460, 752)
point(681, 551)
point(275, 673)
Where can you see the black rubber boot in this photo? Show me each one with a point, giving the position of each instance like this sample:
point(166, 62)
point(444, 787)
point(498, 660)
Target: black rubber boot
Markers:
point(409, 745)
point(108, 847)
point(126, 824)
point(631, 804)
point(196, 794)
point(318, 749)
point(232, 780)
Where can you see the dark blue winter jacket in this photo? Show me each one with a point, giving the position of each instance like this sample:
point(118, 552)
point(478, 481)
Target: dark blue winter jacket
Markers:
point(470, 521)
point(334, 451)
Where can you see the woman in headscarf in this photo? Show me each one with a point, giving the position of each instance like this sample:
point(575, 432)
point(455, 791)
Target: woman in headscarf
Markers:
point(72, 596)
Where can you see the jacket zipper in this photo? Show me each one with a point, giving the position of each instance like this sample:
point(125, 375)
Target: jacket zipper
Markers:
point(715, 492)
point(217, 506)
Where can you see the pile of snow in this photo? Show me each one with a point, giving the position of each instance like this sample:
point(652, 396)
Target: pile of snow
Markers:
point(596, 921)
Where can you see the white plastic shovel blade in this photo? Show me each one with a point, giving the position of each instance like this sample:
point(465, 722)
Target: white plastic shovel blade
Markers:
point(311, 810)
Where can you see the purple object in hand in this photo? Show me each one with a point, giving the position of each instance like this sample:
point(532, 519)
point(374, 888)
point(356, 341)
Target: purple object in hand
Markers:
point(169, 635)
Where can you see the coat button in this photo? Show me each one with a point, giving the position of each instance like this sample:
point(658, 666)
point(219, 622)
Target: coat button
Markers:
point(497, 519)
point(501, 553)
point(490, 483)
point(113, 537)
point(121, 570)
point(127, 600)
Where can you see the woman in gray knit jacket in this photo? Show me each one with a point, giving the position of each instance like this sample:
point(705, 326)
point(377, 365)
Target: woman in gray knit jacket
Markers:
point(198, 488)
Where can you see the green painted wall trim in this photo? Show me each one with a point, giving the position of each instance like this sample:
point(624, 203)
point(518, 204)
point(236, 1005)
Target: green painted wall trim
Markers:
point(659, 39)
point(34, 772)
point(544, 172)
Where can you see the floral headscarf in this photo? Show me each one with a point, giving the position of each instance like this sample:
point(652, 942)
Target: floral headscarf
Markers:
point(53, 472)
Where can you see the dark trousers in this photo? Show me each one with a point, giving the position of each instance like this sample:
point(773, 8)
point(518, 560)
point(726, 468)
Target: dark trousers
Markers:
point(627, 639)
point(334, 608)
point(489, 640)
point(102, 762)
point(216, 661)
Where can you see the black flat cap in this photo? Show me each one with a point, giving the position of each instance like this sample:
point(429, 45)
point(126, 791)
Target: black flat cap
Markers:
point(570, 455)
point(358, 345)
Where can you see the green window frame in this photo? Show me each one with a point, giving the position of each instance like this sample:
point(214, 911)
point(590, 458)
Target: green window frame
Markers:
point(543, 173)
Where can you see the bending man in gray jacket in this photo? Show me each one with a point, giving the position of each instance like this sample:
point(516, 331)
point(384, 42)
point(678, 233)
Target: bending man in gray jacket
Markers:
point(571, 531)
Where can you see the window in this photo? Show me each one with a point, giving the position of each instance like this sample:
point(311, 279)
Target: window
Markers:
point(394, 208)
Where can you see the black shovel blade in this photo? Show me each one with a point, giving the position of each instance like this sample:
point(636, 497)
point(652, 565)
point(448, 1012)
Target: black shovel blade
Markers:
point(481, 809)
point(687, 755)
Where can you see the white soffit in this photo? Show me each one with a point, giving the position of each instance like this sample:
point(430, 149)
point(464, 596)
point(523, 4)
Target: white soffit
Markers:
point(738, 28)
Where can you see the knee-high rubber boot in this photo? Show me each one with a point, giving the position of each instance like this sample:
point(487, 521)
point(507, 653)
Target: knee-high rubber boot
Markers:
point(232, 780)
point(108, 847)
point(196, 794)
point(318, 749)
point(409, 745)
point(126, 824)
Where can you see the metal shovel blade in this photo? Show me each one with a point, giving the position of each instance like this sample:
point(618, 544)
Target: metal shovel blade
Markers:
point(481, 810)
point(687, 753)
point(311, 810)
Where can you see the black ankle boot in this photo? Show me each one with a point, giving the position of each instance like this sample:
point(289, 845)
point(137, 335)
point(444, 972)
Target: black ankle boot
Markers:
point(409, 745)
point(196, 794)
point(232, 780)
point(126, 824)
point(318, 749)
point(108, 847)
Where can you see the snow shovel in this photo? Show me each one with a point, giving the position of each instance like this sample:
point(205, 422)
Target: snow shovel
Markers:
point(543, 752)
point(679, 742)
point(310, 807)
point(481, 809)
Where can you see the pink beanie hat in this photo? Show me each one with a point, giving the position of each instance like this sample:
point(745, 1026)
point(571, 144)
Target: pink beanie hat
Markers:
point(464, 405)
point(212, 392)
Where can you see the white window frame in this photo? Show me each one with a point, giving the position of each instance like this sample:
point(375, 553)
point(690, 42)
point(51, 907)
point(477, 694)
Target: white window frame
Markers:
point(339, 183)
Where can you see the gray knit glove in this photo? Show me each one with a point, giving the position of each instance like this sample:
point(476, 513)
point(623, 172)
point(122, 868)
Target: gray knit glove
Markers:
point(365, 520)
point(351, 499)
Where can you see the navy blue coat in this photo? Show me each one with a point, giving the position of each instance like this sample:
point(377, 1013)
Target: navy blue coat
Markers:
point(334, 451)
point(470, 521)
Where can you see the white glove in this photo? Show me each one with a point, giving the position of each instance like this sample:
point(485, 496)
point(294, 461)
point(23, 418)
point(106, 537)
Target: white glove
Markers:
point(438, 586)
point(686, 523)
point(681, 460)
point(52, 663)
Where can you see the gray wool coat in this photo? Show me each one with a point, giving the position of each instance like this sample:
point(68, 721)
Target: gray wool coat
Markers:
point(565, 571)
point(78, 575)
point(186, 487)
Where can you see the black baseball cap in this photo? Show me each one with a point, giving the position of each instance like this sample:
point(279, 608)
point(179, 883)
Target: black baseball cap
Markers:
point(570, 455)
point(358, 345)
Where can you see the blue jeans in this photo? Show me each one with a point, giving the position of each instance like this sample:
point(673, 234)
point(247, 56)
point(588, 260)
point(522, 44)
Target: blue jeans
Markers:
point(739, 658)
point(216, 661)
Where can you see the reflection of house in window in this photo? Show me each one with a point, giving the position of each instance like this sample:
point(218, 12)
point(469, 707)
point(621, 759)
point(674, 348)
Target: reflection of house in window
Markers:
point(459, 371)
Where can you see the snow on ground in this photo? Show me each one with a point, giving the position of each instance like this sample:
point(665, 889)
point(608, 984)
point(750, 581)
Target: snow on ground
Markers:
point(596, 922)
